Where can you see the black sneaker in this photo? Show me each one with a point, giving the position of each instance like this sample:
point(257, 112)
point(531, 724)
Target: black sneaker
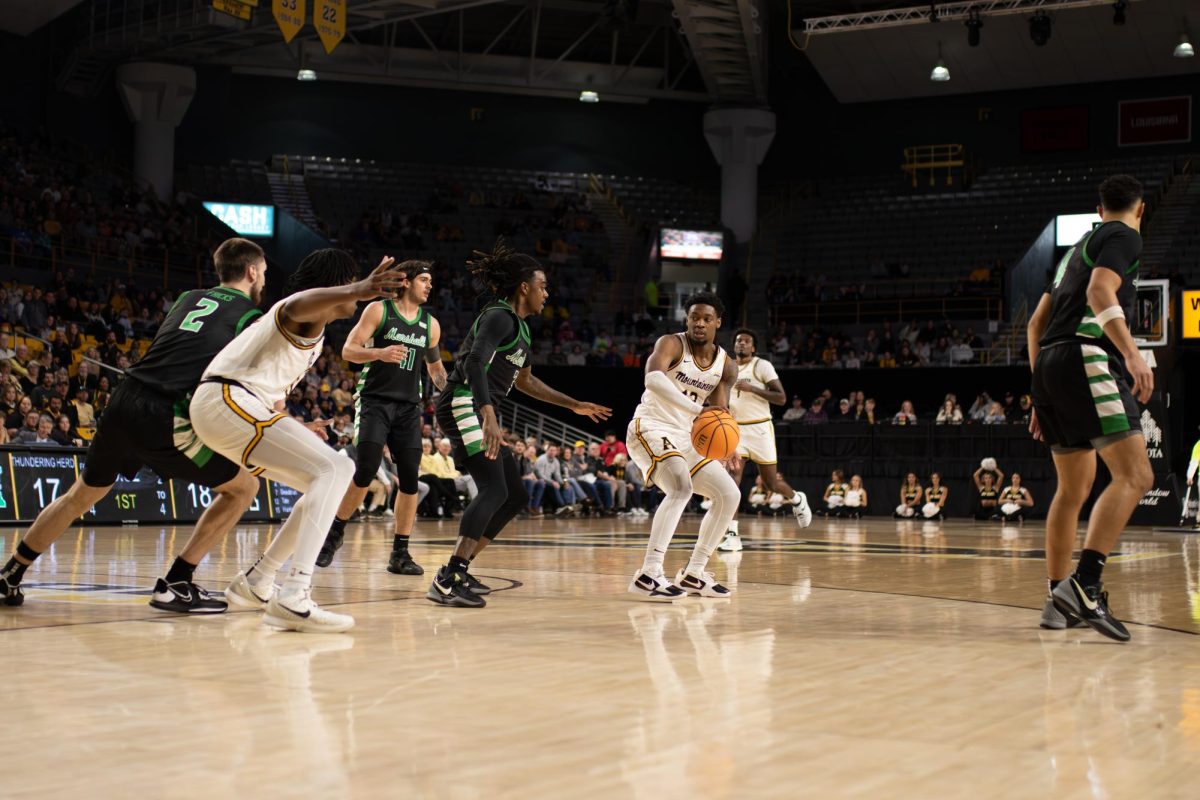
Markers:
point(333, 542)
point(474, 584)
point(183, 597)
point(403, 564)
point(10, 593)
point(1090, 604)
point(450, 589)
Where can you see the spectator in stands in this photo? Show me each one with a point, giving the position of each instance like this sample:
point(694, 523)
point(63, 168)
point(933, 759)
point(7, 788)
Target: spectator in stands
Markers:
point(1015, 501)
point(64, 432)
point(1023, 411)
point(907, 415)
point(576, 475)
point(911, 495)
point(9, 397)
point(816, 414)
point(548, 468)
point(979, 408)
point(446, 469)
point(6, 352)
point(907, 357)
point(16, 419)
point(886, 360)
point(443, 497)
point(949, 414)
point(856, 498)
point(843, 413)
point(936, 496)
point(612, 447)
point(995, 414)
point(939, 353)
point(795, 412)
point(576, 357)
point(42, 392)
point(852, 361)
point(835, 495)
point(556, 357)
point(631, 358)
point(961, 352)
point(535, 487)
point(40, 435)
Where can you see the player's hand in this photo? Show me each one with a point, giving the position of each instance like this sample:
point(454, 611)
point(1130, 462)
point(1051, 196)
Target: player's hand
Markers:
point(1143, 378)
point(1034, 428)
point(318, 426)
point(733, 463)
point(384, 281)
point(493, 437)
point(393, 354)
point(593, 411)
point(743, 385)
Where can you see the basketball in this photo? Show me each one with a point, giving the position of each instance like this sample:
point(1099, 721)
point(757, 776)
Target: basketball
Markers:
point(715, 434)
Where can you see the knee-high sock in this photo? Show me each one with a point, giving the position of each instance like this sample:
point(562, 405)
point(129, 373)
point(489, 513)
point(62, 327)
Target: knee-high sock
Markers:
point(713, 482)
point(672, 477)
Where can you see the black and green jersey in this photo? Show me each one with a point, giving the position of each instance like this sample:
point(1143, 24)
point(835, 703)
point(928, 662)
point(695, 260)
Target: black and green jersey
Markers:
point(1114, 246)
point(383, 380)
point(197, 327)
point(500, 344)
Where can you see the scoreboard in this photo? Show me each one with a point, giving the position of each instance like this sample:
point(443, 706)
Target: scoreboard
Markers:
point(32, 478)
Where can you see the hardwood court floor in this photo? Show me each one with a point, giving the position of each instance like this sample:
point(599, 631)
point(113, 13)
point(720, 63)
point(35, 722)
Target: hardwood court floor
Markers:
point(873, 659)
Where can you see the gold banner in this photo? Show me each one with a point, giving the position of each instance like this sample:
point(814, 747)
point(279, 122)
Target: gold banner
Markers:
point(329, 18)
point(234, 8)
point(289, 16)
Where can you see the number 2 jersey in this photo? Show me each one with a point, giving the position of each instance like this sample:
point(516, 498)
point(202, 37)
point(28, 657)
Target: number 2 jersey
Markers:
point(198, 326)
point(695, 380)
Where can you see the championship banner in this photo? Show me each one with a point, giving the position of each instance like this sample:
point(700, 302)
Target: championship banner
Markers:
point(1050, 129)
point(1161, 120)
point(329, 18)
point(289, 16)
point(241, 9)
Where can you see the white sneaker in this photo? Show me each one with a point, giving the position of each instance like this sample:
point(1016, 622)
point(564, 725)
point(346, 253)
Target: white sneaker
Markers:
point(654, 587)
point(703, 586)
point(732, 543)
point(641, 512)
point(802, 511)
point(244, 595)
point(389, 513)
point(296, 611)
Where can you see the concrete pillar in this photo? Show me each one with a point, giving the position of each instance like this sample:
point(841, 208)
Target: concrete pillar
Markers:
point(739, 139)
point(156, 96)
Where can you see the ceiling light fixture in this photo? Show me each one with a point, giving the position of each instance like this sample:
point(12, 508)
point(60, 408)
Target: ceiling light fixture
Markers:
point(940, 73)
point(588, 96)
point(306, 75)
point(1039, 28)
point(974, 24)
point(1184, 48)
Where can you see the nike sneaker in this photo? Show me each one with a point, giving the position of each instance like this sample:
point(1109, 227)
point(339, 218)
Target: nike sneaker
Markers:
point(450, 589)
point(403, 564)
point(296, 611)
point(700, 586)
point(801, 510)
point(1089, 604)
point(732, 543)
point(1055, 620)
point(654, 587)
point(185, 597)
point(333, 542)
point(240, 592)
point(10, 593)
point(475, 585)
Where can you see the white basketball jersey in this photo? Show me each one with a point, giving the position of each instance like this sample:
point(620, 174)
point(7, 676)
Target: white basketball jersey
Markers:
point(267, 359)
point(748, 407)
point(694, 380)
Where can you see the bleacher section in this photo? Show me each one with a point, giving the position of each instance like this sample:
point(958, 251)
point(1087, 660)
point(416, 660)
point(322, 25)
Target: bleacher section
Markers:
point(241, 181)
point(659, 201)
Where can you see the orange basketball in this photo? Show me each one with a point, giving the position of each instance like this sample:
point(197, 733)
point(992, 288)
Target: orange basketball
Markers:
point(714, 434)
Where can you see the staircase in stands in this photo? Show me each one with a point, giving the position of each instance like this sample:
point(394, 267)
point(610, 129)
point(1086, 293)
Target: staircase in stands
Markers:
point(623, 288)
point(1175, 208)
point(289, 193)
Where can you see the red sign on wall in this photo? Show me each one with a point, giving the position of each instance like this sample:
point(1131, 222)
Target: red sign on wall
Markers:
point(1160, 120)
point(1046, 129)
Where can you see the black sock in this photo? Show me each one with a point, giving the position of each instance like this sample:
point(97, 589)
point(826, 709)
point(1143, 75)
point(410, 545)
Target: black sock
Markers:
point(1091, 564)
point(181, 571)
point(13, 571)
point(458, 564)
point(339, 525)
point(1052, 583)
point(400, 543)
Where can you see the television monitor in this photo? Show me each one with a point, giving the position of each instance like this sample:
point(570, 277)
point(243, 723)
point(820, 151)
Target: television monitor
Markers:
point(691, 245)
point(245, 219)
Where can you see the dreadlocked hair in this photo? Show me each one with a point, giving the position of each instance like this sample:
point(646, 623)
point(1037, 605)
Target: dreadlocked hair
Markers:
point(705, 299)
point(503, 270)
point(320, 269)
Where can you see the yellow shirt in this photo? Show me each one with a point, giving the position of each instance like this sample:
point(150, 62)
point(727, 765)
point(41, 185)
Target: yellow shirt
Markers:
point(440, 466)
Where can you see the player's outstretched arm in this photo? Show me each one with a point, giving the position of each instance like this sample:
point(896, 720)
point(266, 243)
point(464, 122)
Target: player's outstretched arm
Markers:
point(319, 305)
point(668, 350)
point(535, 388)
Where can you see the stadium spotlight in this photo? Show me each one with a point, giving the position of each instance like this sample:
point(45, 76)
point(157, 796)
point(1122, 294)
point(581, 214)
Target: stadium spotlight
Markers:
point(940, 72)
point(588, 96)
point(974, 24)
point(1119, 12)
point(306, 75)
point(1039, 28)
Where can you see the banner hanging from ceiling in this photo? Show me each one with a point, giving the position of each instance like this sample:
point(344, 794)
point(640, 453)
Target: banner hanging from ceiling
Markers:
point(289, 16)
point(1158, 120)
point(329, 18)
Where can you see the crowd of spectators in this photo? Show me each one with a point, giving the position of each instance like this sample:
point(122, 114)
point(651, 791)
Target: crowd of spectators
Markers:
point(856, 407)
point(915, 344)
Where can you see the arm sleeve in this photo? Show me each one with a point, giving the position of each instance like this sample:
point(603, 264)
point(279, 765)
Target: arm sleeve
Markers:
point(495, 328)
point(1119, 251)
point(665, 390)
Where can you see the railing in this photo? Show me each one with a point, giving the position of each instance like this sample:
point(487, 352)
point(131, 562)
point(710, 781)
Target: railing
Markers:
point(527, 422)
point(854, 312)
point(163, 266)
point(933, 157)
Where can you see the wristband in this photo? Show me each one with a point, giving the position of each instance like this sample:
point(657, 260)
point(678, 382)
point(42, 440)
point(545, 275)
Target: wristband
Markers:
point(1109, 314)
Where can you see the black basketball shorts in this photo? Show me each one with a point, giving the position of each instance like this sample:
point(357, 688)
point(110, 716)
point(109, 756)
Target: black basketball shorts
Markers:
point(1082, 396)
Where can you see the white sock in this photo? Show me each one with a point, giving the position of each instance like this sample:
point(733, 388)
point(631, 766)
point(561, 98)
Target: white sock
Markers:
point(716, 484)
point(297, 581)
point(263, 572)
point(797, 498)
point(662, 528)
point(733, 527)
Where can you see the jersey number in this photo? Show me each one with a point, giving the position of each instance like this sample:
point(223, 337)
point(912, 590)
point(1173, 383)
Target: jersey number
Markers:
point(191, 322)
point(409, 360)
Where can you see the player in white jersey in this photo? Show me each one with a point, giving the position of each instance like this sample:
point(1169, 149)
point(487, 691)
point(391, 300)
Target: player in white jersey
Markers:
point(757, 388)
point(236, 412)
point(685, 372)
